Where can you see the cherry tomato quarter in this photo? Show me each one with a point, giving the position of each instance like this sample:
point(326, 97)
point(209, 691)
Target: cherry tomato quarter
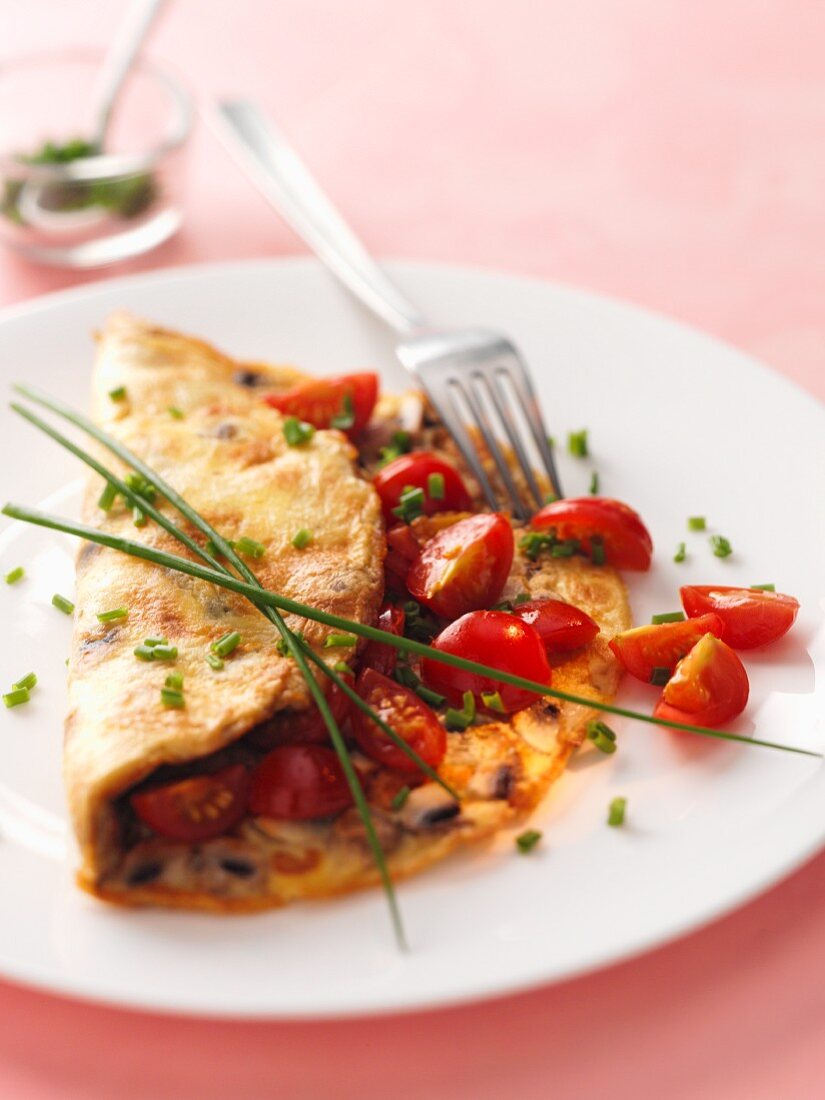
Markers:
point(406, 715)
point(709, 687)
point(560, 625)
point(320, 400)
point(195, 809)
point(645, 648)
point(751, 617)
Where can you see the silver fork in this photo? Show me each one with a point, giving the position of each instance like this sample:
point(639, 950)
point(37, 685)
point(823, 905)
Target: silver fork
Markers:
point(471, 376)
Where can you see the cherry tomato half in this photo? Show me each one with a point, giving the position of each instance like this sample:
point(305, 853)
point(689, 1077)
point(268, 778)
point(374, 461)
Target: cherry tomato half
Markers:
point(709, 686)
point(751, 617)
point(308, 726)
point(465, 567)
point(626, 541)
point(645, 648)
point(406, 714)
point(415, 470)
point(493, 638)
point(320, 400)
point(298, 783)
point(196, 809)
point(382, 656)
point(560, 625)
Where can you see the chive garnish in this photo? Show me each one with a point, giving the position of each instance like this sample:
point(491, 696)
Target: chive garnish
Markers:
point(113, 615)
point(577, 443)
point(144, 652)
point(400, 798)
point(597, 554)
point(297, 432)
point(107, 497)
point(138, 517)
point(616, 811)
point(175, 412)
point(681, 553)
point(152, 642)
point(141, 485)
point(535, 541)
point(302, 538)
point(341, 667)
point(720, 546)
point(174, 680)
point(565, 549)
point(62, 604)
point(410, 504)
point(522, 597)
point(668, 617)
point(25, 683)
point(345, 419)
point(435, 486)
point(492, 701)
point(281, 646)
point(550, 498)
point(250, 548)
point(339, 641)
point(15, 575)
point(16, 696)
point(164, 652)
point(696, 523)
point(401, 445)
point(602, 736)
point(227, 644)
point(170, 697)
point(118, 393)
point(763, 587)
point(405, 675)
point(461, 719)
point(594, 483)
point(526, 841)
point(214, 661)
point(659, 676)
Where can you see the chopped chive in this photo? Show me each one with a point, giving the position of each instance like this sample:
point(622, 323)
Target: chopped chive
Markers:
point(333, 641)
point(410, 504)
point(227, 644)
point(15, 697)
point(297, 432)
point(522, 597)
point(577, 443)
point(144, 652)
point(668, 617)
point(140, 485)
point(551, 441)
point(550, 498)
point(535, 541)
point(139, 517)
point(597, 554)
point(720, 546)
point(681, 553)
point(405, 675)
point(113, 615)
point(401, 444)
point(164, 652)
point(214, 661)
point(107, 497)
point(526, 841)
point(659, 676)
point(170, 697)
point(435, 486)
point(504, 605)
point(118, 393)
point(602, 736)
point(430, 697)
point(62, 604)
point(696, 523)
point(565, 549)
point(152, 642)
point(175, 412)
point(250, 548)
point(342, 668)
point(282, 648)
point(594, 483)
point(345, 419)
point(400, 798)
point(302, 538)
point(492, 701)
point(15, 575)
point(174, 680)
point(25, 683)
point(616, 811)
point(763, 587)
point(461, 719)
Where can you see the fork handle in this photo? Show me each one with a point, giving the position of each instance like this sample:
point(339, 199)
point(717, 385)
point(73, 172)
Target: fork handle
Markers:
point(285, 181)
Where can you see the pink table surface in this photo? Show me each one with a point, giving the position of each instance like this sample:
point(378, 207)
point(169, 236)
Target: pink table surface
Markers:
point(665, 151)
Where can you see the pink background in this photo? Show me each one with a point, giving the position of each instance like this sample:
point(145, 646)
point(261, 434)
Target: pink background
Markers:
point(665, 151)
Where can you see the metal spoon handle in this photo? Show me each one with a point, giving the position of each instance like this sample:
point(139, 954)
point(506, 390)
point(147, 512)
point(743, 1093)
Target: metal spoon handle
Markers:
point(119, 60)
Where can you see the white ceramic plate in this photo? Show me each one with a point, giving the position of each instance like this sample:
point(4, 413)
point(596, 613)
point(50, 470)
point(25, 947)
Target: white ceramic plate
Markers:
point(679, 425)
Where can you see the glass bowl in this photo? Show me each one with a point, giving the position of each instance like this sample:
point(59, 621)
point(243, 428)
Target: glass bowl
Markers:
point(91, 210)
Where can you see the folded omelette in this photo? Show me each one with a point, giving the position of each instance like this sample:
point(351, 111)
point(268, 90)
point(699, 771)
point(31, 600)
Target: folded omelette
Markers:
point(198, 418)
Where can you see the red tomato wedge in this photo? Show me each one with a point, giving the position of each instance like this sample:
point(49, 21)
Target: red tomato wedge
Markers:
point(709, 687)
point(196, 809)
point(626, 541)
point(465, 567)
point(414, 471)
point(645, 648)
point(402, 550)
point(298, 783)
point(751, 617)
point(560, 625)
point(320, 400)
point(493, 638)
point(406, 714)
point(381, 656)
point(308, 727)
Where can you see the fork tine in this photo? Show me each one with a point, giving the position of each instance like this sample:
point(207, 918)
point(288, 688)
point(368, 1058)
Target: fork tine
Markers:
point(453, 421)
point(482, 422)
point(500, 400)
point(523, 387)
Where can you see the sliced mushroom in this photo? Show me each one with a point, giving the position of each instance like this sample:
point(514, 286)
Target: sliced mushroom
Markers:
point(428, 806)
